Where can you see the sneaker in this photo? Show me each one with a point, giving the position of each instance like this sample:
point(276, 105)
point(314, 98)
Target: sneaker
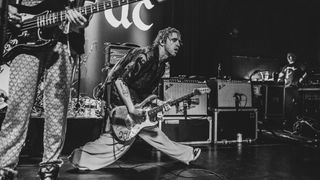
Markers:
point(49, 172)
point(196, 153)
point(6, 174)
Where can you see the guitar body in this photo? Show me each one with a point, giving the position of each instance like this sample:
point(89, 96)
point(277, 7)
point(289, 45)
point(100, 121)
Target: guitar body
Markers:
point(123, 125)
point(29, 39)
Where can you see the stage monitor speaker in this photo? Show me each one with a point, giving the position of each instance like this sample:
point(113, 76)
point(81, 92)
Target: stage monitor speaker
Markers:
point(231, 93)
point(173, 88)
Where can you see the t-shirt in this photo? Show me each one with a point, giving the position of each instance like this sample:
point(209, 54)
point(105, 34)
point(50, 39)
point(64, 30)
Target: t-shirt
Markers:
point(292, 74)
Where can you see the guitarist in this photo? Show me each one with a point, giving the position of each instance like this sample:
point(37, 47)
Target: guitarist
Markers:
point(55, 64)
point(130, 82)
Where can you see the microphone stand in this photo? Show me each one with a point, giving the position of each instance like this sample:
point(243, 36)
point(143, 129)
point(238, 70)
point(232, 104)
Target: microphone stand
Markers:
point(185, 107)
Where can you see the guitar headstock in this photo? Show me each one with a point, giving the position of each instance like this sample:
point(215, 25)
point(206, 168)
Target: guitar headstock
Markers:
point(200, 91)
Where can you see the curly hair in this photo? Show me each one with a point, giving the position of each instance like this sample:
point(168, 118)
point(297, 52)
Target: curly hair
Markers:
point(164, 34)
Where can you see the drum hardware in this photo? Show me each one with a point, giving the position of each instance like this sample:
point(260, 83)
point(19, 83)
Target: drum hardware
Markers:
point(307, 126)
point(85, 107)
point(263, 75)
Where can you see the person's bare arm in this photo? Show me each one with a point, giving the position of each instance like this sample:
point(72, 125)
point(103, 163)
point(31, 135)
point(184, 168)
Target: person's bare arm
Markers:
point(138, 115)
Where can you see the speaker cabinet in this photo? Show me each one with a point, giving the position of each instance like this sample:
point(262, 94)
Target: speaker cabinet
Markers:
point(229, 122)
point(310, 102)
point(231, 93)
point(188, 130)
point(274, 101)
point(173, 88)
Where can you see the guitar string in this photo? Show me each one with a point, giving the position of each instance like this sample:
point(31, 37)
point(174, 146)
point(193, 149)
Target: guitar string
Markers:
point(157, 109)
point(58, 16)
point(33, 23)
point(61, 16)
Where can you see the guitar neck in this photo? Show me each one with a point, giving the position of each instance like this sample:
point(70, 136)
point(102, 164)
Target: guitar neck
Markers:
point(155, 110)
point(60, 16)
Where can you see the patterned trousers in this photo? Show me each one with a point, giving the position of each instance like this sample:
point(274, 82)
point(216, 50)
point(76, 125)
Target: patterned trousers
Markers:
point(22, 90)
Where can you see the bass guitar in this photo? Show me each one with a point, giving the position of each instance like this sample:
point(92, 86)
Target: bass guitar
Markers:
point(42, 30)
point(124, 127)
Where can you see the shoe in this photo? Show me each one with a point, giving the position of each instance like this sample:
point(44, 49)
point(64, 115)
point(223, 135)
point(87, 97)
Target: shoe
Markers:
point(196, 153)
point(7, 174)
point(49, 172)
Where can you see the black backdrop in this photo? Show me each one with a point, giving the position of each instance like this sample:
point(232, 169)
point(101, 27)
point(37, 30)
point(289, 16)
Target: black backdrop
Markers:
point(215, 30)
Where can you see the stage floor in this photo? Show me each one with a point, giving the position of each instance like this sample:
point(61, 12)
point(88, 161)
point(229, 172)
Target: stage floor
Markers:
point(270, 157)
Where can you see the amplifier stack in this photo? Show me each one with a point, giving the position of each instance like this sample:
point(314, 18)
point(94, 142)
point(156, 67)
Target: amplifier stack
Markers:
point(232, 112)
point(187, 122)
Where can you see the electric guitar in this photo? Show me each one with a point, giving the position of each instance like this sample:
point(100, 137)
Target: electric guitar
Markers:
point(42, 30)
point(123, 126)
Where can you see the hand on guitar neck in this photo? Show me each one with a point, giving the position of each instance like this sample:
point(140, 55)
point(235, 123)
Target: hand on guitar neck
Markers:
point(158, 102)
point(30, 30)
point(13, 16)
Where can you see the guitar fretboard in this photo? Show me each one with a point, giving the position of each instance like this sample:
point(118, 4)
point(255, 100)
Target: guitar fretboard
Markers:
point(155, 110)
point(60, 16)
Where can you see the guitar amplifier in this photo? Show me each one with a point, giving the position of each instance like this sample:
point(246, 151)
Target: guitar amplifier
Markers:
point(230, 93)
point(173, 88)
point(116, 52)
